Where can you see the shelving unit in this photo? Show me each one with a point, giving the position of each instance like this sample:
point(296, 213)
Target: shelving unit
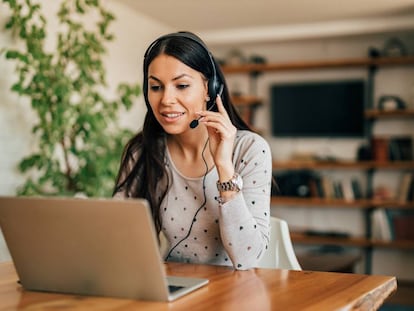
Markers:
point(368, 205)
point(341, 203)
point(246, 106)
point(334, 63)
point(351, 165)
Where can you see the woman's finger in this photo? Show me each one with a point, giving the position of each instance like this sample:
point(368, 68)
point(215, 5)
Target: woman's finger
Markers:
point(220, 105)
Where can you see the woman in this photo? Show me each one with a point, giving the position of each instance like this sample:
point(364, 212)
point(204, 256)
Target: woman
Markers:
point(206, 176)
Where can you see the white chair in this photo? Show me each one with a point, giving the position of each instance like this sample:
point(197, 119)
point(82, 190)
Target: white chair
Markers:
point(280, 253)
point(4, 251)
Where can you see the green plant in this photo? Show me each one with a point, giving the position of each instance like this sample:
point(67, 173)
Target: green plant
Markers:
point(79, 139)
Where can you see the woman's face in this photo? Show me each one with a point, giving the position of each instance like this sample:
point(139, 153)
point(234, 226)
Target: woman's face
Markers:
point(175, 93)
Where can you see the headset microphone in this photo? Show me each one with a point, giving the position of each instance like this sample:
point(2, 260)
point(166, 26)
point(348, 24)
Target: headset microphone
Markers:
point(195, 122)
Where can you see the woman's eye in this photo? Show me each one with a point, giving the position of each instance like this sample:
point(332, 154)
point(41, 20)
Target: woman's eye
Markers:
point(155, 88)
point(182, 86)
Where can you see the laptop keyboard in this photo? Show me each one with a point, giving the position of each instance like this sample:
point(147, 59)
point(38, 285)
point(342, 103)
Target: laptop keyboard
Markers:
point(174, 288)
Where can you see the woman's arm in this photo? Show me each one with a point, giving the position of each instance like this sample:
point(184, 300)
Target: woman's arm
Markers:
point(244, 220)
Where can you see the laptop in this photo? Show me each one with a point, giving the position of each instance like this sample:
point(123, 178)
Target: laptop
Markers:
point(98, 247)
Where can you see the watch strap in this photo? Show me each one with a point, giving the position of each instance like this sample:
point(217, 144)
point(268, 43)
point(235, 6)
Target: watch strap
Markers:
point(230, 185)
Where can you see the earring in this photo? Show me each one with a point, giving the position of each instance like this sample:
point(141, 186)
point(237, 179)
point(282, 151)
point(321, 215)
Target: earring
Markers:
point(207, 98)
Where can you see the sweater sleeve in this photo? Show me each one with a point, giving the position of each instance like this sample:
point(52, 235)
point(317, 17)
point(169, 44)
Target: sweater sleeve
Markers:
point(244, 220)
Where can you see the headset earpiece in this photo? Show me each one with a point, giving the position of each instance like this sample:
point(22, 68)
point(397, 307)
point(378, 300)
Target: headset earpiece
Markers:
point(213, 88)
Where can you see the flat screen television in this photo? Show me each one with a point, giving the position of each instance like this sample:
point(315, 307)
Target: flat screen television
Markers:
point(318, 109)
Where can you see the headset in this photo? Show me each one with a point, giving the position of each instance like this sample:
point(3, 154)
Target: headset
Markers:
point(215, 87)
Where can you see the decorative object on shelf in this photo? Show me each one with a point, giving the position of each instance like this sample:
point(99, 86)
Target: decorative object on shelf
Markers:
point(390, 102)
point(257, 59)
point(379, 149)
point(220, 61)
point(383, 193)
point(235, 57)
point(394, 47)
point(374, 52)
point(294, 184)
point(364, 153)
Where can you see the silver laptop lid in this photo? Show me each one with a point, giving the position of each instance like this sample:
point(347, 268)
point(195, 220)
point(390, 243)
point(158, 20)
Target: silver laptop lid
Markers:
point(84, 246)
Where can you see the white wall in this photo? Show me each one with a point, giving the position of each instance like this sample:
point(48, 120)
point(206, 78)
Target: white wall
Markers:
point(397, 81)
point(133, 33)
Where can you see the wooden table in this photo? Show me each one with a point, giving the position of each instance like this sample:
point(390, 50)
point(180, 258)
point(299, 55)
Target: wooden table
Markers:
point(258, 289)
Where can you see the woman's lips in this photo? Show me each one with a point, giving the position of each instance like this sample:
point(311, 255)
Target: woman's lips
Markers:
point(172, 116)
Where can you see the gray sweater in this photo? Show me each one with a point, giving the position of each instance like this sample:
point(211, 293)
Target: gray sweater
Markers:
point(201, 230)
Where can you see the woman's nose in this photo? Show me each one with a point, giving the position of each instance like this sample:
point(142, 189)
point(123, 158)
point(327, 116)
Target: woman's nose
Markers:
point(168, 96)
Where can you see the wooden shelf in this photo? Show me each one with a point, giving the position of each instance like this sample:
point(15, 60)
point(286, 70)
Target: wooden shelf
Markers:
point(246, 106)
point(315, 164)
point(334, 63)
point(301, 238)
point(384, 114)
point(397, 244)
point(246, 100)
point(332, 203)
point(343, 165)
point(319, 202)
point(392, 204)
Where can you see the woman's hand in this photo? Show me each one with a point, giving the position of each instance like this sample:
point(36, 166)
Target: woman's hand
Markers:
point(221, 134)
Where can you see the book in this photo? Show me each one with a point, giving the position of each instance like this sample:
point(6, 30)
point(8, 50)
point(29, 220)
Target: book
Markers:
point(338, 189)
point(313, 188)
point(327, 187)
point(403, 194)
point(404, 226)
point(319, 188)
point(380, 226)
point(356, 188)
point(347, 191)
point(411, 191)
point(400, 148)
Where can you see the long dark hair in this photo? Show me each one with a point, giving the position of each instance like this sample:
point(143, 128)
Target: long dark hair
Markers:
point(143, 160)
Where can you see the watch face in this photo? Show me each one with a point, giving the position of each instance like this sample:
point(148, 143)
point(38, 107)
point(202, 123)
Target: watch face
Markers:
point(238, 181)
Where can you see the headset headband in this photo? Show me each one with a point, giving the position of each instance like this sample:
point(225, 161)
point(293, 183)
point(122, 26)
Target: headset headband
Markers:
point(213, 83)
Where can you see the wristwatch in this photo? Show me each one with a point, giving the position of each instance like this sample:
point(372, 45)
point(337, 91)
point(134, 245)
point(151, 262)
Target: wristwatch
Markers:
point(234, 184)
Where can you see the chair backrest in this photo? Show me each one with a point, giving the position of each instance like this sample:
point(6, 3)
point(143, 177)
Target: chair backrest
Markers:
point(280, 253)
point(4, 251)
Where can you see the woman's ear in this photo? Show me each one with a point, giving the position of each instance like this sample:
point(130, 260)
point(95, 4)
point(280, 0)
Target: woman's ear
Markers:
point(206, 90)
